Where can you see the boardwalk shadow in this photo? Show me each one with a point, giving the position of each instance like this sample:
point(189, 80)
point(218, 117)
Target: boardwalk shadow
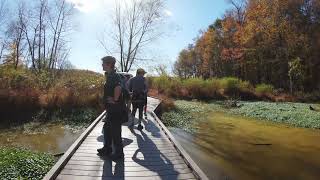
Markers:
point(153, 159)
point(118, 172)
point(149, 126)
point(152, 128)
point(125, 141)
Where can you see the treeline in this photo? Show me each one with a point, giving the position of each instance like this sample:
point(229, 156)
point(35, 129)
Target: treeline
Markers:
point(35, 33)
point(262, 41)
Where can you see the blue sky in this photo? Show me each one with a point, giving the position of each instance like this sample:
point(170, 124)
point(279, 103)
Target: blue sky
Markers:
point(184, 20)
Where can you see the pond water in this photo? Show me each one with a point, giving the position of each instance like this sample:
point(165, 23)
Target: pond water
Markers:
point(49, 137)
point(234, 147)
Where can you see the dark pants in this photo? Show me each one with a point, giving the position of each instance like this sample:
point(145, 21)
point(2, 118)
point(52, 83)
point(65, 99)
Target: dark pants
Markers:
point(112, 132)
point(136, 106)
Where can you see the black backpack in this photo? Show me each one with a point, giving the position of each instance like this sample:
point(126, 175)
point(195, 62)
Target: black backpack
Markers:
point(125, 95)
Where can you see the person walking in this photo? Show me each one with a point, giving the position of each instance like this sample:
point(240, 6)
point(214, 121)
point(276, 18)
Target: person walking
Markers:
point(112, 100)
point(138, 87)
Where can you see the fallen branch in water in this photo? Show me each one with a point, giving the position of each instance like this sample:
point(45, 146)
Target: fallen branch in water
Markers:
point(261, 144)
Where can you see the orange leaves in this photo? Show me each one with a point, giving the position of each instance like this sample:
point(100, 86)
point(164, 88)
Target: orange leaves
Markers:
point(232, 54)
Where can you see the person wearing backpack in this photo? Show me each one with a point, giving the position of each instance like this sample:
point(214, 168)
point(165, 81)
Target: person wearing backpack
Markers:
point(114, 105)
point(138, 88)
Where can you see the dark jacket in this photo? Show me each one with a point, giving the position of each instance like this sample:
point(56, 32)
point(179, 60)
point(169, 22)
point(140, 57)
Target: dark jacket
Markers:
point(139, 88)
point(112, 81)
point(138, 84)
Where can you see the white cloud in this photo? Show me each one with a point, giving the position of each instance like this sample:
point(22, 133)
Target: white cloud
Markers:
point(87, 6)
point(168, 13)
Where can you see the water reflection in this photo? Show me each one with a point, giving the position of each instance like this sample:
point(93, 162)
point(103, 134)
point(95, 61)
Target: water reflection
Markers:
point(242, 148)
point(50, 137)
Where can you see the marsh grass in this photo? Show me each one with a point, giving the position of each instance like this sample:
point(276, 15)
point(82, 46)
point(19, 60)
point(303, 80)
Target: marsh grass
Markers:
point(295, 114)
point(188, 114)
point(198, 88)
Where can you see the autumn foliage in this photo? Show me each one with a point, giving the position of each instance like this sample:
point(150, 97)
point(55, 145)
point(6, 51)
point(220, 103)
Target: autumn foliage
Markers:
point(260, 41)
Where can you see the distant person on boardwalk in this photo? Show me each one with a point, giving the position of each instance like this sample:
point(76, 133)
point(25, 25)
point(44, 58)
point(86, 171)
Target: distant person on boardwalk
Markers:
point(138, 87)
point(113, 104)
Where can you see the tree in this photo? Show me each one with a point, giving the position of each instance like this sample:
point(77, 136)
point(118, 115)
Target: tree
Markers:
point(37, 33)
point(136, 24)
point(296, 74)
point(161, 70)
point(60, 27)
point(259, 41)
point(16, 37)
point(3, 18)
point(187, 64)
point(46, 28)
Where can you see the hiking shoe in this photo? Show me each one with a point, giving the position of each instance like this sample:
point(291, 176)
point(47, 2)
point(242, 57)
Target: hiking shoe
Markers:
point(104, 151)
point(140, 127)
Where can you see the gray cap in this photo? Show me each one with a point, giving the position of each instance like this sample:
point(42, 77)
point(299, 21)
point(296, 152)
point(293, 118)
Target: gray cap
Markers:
point(109, 59)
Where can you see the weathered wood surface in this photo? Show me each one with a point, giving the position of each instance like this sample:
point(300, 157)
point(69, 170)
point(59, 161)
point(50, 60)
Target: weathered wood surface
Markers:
point(149, 154)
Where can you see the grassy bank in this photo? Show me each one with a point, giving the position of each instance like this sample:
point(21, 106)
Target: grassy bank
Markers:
point(187, 114)
point(76, 118)
point(31, 100)
point(31, 94)
point(223, 88)
point(24, 164)
point(295, 114)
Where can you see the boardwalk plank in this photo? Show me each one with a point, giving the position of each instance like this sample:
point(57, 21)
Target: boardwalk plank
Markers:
point(127, 168)
point(130, 154)
point(188, 176)
point(128, 159)
point(149, 155)
point(131, 163)
point(108, 172)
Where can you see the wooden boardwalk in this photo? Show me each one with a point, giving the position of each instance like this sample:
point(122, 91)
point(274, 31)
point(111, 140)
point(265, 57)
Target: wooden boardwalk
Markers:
point(152, 153)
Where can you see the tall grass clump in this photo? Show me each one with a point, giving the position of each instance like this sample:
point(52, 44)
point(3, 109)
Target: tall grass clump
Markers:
point(50, 90)
point(195, 87)
point(198, 88)
point(167, 85)
point(264, 89)
point(185, 115)
point(28, 92)
point(232, 85)
point(162, 83)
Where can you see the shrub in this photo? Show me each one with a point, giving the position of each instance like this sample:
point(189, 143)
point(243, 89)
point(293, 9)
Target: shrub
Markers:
point(264, 89)
point(308, 97)
point(195, 87)
point(229, 83)
point(20, 78)
point(167, 104)
point(162, 83)
point(24, 90)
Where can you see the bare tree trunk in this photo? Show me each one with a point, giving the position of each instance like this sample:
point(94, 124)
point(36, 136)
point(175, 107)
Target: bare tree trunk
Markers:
point(1, 51)
point(53, 46)
point(40, 34)
point(44, 48)
point(118, 22)
point(18, 46)
point(136, 29)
